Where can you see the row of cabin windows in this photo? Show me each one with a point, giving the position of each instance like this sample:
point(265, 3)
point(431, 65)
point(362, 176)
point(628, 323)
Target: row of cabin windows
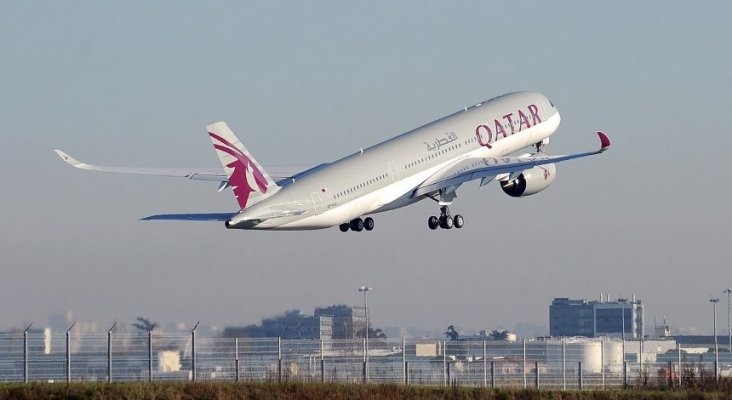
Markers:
point(432, 156)
point(361, 185)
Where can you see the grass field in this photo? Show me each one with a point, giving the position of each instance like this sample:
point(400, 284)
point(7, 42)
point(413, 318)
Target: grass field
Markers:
point(309, 391)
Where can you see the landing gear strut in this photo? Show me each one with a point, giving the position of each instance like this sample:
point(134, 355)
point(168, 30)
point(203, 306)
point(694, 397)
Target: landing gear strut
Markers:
point(357, 225)
point(539, 146)
point(445, 220)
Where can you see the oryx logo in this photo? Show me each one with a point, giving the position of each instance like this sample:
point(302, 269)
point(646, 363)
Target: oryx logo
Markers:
point(547, 174)
point(245, 177)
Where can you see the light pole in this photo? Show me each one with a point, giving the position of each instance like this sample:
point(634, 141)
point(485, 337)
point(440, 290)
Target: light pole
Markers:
point(729, 317)
point(622, 318)
point(716, 342)
point(365, 290)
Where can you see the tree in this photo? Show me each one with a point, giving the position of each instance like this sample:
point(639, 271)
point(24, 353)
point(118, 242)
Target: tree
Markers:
point(376, 334)
point(452, 333)
point(498, 334)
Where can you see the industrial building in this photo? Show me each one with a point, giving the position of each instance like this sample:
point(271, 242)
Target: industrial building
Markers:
point(332, 322)
point(348, 322)
point(290, 325)
point(592, 318)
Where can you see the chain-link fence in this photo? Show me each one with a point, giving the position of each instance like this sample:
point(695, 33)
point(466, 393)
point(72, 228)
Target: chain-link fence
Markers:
point(560, 364)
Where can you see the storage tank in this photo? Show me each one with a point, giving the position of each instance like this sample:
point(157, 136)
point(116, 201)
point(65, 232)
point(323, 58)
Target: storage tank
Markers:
point(613, 355)
point(589, 352)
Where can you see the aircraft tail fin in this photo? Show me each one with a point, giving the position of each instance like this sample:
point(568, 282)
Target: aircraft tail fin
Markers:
point(250, 182)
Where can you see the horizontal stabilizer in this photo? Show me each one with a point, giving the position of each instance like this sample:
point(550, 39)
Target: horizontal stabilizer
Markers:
point(190, 217)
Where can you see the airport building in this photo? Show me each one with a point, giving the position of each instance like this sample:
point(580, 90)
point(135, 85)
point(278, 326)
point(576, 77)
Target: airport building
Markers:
point(331, 322)
point(290, 325)
point(592, 318)
point(348, 322)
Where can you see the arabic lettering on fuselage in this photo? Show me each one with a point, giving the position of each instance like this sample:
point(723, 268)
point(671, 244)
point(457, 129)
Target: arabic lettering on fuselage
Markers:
point(440, 142)
point(486, 135)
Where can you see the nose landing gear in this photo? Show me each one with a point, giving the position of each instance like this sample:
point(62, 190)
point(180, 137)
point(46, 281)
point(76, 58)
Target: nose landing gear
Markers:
point(445, 220)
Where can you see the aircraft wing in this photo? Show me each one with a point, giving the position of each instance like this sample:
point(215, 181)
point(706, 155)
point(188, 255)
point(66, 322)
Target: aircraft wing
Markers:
point(199, 174)
point(489, 167)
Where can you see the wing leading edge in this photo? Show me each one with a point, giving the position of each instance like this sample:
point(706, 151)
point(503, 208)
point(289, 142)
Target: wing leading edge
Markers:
point(488, 167)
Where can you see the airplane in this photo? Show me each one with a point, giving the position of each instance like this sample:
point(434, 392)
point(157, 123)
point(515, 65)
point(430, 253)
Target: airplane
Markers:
point(429, 162)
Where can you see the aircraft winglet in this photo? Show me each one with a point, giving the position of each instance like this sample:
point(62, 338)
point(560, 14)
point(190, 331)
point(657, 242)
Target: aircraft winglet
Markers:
point(604, 141)
point(68, 159)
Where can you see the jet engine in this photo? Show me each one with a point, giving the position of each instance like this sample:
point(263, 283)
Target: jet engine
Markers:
point(530, 181)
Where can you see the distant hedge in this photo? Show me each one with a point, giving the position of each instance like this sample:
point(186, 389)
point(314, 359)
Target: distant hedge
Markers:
point(310, 391)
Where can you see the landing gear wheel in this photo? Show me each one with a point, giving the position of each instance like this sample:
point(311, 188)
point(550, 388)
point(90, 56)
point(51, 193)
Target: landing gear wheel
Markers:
point(459, 221)
point(357, 225)
point(344, 227)
point(368, 223)
point(445, 220)
point(433, 222)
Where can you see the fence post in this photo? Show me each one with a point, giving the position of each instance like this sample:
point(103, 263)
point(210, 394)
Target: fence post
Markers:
point(670, 374)
point(602, 362)
point(25, 353)
point(236, 358)
point(449, 374)
point(279, 359)
point(523, 367)
point(564, 364)
point(640, 363)
point(404, 361)
point(150, 353)
point(536, 374)
point(68, 352)
point(625, 374)
point(485, 365)
point(365, 360)
point(579, 374)
point(406, 377)
point(681, 373)
point(493, 375)
point(322, 360)
point(193, 351)
point(109, 352)
point(68, 356)
point(444, 363)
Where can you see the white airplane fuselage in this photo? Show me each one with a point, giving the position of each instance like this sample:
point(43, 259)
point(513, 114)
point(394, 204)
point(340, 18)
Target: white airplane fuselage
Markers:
point(385, 176)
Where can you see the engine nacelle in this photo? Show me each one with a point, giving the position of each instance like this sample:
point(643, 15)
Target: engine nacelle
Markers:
point(530, 181)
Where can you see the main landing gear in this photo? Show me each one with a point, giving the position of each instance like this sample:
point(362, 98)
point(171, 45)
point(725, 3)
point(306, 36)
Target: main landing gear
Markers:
point(358, 225)
point(445, 220)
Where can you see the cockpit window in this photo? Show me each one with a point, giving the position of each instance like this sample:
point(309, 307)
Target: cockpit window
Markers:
point(551, 104)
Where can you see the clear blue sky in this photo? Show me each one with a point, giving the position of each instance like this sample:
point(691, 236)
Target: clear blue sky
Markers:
point(134, 83)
